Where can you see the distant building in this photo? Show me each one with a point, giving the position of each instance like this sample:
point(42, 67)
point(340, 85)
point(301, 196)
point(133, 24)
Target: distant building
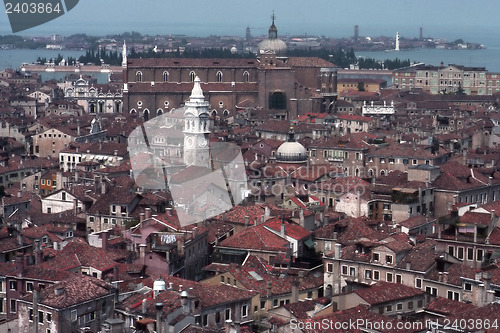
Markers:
point(443, 79)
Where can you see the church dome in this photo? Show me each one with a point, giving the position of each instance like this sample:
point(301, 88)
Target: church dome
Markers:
point(291, 151)
point(275, 46)
point(272, 44)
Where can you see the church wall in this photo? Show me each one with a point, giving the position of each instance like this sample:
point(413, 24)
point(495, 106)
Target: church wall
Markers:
point(276, 80)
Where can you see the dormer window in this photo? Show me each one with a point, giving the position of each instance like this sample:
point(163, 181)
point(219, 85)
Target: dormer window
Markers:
point(388, 259)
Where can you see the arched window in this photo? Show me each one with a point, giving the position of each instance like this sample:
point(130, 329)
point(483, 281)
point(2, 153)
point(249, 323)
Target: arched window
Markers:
point(145, 115)
point(165, 76)
point(138, 76)
point(214, 114)
point(277, 100)
point(159, 112)
point(92, 108)
point(246, 76)
point(192, 76)
point(133, 111)
point(225, 113)
point(219, 76)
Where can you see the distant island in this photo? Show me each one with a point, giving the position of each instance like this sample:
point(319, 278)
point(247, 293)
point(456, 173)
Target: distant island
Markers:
point(107, 50)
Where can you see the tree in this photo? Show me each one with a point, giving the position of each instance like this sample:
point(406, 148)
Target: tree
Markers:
point(460, 90)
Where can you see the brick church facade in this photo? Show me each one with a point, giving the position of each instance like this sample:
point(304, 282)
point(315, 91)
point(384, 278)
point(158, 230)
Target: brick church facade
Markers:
point(288, 85)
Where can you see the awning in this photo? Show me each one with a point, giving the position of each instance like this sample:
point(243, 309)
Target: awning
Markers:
point(309, 243)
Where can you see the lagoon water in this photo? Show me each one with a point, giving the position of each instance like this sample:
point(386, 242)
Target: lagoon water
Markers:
point(488, 57)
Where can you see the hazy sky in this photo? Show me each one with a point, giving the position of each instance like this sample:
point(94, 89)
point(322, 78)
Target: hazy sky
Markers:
point(333, 18)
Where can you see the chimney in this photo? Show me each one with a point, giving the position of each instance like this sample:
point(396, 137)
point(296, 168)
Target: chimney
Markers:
point(75, 206)
point(142, 250)
point(147, 213)
point(440, 277)
point(267, 213)
point(408, 266)
point(295, 291)
point(159, 310)
point(115, 273)
point(269, 288)
point(19, 193)
point(337, 251)
point(170, 286)
point(55, 246)
point(301, 217)
point(104, 240)
point(282, 230)
point(247, 220)
point(180, 288)
point(141, 217)
point(144, 306)
point(445, 277)
point(180, 246)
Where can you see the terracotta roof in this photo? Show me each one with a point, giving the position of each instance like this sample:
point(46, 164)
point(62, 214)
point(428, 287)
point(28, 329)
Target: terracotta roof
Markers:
point(448, 307)
point(384, 292)
point(76, 290)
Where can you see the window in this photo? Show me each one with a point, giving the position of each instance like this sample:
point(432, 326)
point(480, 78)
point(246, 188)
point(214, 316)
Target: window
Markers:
point(246, 77)
point(244, 310)
point(399, 306)
point(376, 256)
point(29, 286)
point(92, 316)
point(410, 305)
point(352, 271)
point(391, 161)
point(13, 285)
point(165, 76)
point(12, 305)
point(49, 317)
point(468, 286)
point(399, 279)
point(40, 317)
point(192, 76)
point(431, 290)
point(376, 275)
point(73, 315)
point(453, 295)
point(368, 274)
point(106, 220)
point(382, 160)
point(275, 303)
point(460, 253)
point(470, 253)
point(329, 268)
point(388, 259)
point(205, 320)
point(262, 304)
point(344, 270)
point(30, 314)
point(138, 76)
point(414, 162)
point(388, 308)
point(479, 256)
point(420, 303)
point(219, 76)
point(418, 283)
point(222, 279)
point(388, 277)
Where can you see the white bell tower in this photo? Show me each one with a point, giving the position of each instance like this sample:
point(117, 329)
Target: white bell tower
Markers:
point(197, 128)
